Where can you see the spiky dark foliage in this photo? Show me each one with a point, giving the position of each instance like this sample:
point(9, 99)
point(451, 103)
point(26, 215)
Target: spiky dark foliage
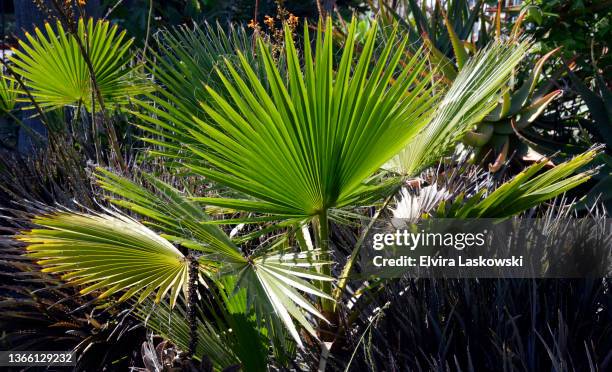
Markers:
point(490, 324)
point(479, 324)
point(38, 311)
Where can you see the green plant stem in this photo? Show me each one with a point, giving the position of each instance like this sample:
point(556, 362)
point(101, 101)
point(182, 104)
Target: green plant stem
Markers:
point(348, 267)
point(146, 42)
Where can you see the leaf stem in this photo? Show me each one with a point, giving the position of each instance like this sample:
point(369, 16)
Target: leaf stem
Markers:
point(348, 267)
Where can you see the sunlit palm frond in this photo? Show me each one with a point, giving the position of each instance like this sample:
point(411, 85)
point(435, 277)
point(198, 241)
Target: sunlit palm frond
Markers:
point(116, 253)
point(56, 72)
point(306, 144)
point(473, 94)
point(278, 276)
point(171, 212)
point(110, 251)
point(8, 94)
point(526, 190)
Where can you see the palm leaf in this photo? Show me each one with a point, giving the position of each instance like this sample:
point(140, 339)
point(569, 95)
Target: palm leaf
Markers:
point(526, 190)
point(188, 57)
point(115, 252)
point(304, 145)
point(278, 276)
point(473, 94)
point(170, 211)
point(110, 251)
point(56, 72)
point(185, 62)
point(8, 94)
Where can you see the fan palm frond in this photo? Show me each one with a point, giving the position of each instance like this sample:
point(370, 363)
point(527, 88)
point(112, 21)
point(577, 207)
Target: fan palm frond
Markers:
point(186, 59)
point(109, 251)
point(412, 205)
point(122, 256)
point(473, 94)
point(8, 94)
point(168, 210)
point(302, 147)
point(526, 190)
point(56, 72)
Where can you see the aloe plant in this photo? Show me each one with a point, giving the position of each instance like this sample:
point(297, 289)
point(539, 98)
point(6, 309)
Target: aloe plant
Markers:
point(448, 32)
point(599, 101)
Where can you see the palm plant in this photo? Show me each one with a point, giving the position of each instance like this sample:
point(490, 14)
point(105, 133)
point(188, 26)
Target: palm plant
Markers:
point(8, 94)
point(309, 146)
point(295, 143)
point(57, 74)
point(8, 99)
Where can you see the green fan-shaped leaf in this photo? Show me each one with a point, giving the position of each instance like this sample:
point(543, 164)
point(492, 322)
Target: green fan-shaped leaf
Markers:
point(473, 94)
point(170, 211)
point(304, 144)
point(8, 94)
point(527, 189)
point(275, 279)
point(185, 62)
point(107, 251)
point(56, 72)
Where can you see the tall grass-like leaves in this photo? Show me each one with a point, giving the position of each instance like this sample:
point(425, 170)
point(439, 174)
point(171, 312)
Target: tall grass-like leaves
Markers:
point(474, 93)
point(308, 143)
point(56, 72)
